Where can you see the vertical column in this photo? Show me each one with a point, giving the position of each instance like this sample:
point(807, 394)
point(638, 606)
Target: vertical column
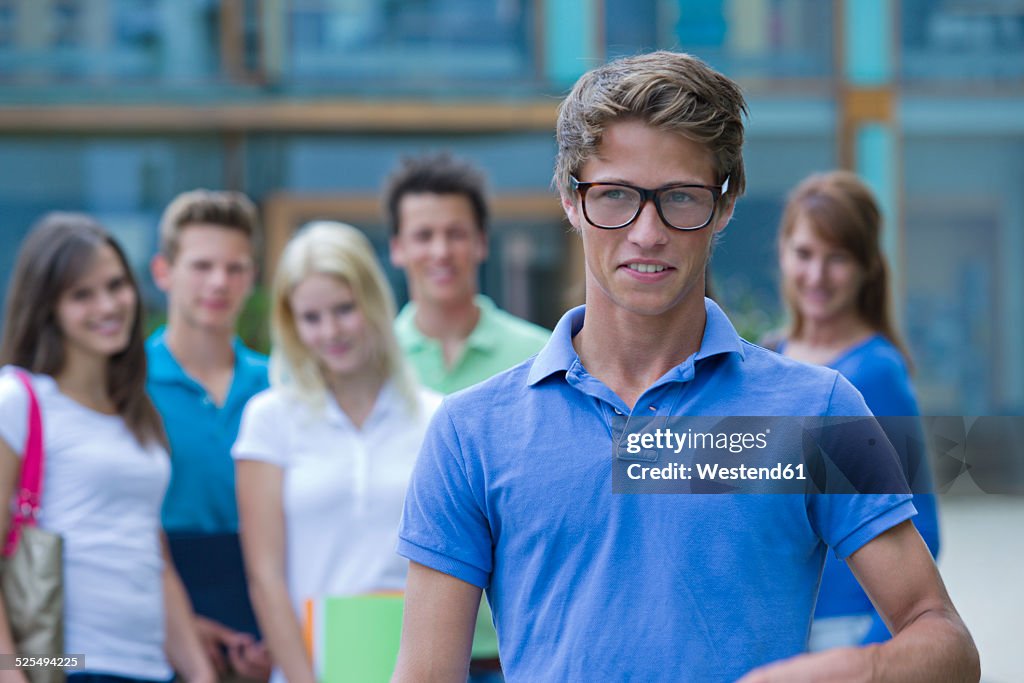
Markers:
point(33, 36)
point(1010, 324)
point(273, 23)
point(869, 137)
point(573, 35)
point(183, 54)
point(572, 30)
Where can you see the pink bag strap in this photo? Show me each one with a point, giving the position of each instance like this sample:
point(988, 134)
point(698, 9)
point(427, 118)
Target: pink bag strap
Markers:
point(31, 489)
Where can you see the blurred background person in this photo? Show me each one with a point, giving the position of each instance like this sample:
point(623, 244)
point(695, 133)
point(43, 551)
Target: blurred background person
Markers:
point(73, 320)
point(452, 335)
point(324, 456)
point(835, 284)
point(200, 377)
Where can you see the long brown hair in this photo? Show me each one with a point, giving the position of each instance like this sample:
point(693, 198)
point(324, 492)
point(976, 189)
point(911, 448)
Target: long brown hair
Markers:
point(843, 211)
point(57, 252)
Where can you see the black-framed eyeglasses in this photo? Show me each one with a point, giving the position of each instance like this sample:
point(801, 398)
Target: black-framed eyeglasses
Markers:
point(615, 205)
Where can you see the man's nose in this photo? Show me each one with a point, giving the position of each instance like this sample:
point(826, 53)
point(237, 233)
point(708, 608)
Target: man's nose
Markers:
point(648, 230)
point(440, 246)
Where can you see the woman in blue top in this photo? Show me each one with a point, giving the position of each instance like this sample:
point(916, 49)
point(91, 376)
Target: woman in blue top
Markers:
point(836, 288)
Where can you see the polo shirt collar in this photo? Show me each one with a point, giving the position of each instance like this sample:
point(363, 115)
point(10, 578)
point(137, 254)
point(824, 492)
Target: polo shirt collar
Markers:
point(164, 367)
point(558, 355)
point(485, 336)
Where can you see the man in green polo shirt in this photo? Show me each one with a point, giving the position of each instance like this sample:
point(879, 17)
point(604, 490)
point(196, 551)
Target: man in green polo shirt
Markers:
point(451, 334)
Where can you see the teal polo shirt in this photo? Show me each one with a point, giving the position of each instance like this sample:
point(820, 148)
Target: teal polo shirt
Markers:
point(201, 495)
point(499, 341)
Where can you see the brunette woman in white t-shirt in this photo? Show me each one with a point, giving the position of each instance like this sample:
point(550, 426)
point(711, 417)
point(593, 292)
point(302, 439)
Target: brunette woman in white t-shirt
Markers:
point(324, 456)
point(73, 322)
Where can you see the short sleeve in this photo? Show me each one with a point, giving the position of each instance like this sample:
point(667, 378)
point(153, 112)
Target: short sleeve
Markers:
point(13, 410)
point(443, 525)
point(262, 434)
point(848, 521)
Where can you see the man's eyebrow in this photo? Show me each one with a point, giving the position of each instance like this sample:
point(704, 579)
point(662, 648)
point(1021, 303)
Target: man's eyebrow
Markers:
point(671, 183)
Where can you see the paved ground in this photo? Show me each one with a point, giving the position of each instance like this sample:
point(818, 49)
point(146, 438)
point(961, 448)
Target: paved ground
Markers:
point(982, 563)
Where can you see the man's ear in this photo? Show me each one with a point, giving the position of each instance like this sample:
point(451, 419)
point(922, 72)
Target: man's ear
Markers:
point(396, 253)
point(724, 214)
point(483, 247)
point(571, 210)
point(160, 268)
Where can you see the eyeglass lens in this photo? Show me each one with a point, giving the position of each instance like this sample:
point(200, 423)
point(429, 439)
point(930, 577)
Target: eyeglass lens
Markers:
point(615, 205)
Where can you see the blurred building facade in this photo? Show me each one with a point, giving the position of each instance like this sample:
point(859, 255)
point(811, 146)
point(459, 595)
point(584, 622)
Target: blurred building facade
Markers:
point(114, 106)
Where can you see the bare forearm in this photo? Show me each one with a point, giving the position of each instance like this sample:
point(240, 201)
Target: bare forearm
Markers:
point(424, 665)
point(281, 630)
point(7, 645)
point(934, 647)
point(437, 628)
point(184, 650)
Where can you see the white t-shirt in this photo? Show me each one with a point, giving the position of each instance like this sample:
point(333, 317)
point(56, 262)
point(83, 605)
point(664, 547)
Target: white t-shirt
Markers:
point(343, 487)
point(102, 493)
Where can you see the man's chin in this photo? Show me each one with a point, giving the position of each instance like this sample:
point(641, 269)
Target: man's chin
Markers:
point(447, 296)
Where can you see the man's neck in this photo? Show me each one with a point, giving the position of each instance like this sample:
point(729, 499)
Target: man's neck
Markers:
point(450, 324)
point(207, 356)
point(629, 352)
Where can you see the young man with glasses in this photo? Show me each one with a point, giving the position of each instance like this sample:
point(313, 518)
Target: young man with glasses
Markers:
point(513, 489)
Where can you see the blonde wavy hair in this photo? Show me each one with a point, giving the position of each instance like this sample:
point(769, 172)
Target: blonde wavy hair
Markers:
point(343, 252)
point(670, 91)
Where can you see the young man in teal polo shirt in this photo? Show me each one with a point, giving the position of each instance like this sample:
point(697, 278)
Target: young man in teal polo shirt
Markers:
point(452, 336)
point(200, 377)
point(513, 489)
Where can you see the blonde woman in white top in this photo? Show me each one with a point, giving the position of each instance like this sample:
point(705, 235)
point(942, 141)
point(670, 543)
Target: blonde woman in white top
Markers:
point(323, 456)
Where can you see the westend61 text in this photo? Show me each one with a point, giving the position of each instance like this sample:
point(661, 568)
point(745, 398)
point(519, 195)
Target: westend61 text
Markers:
point(715, 472)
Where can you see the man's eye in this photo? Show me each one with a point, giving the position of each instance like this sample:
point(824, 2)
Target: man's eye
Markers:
point(678, 197)
point(611, 194)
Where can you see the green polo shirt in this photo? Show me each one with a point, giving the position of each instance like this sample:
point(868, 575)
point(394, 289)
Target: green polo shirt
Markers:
point(499, 341)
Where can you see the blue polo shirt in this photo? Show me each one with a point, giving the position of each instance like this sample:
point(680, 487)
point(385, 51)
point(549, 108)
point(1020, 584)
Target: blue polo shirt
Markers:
point(512, 492)
point(201, 495)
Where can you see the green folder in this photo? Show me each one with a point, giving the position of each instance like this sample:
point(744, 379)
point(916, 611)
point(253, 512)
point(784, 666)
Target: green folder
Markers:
point(355, 639)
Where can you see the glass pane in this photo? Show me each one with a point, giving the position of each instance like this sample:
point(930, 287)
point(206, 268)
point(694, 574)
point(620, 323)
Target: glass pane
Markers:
point(756, 39)
point(964, 241)
point(410, 44)
point(108, 41)
point(124, 182)
point(962, 40)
